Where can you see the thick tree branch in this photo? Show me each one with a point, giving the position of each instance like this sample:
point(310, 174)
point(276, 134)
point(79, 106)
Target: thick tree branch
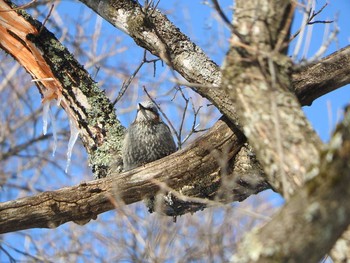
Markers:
point(162, 38)
point(167, 42)
point(193, 166)
point(184, 56)
point(314, 218)
point(257, 78)
point(321, 77)
point(94, 195)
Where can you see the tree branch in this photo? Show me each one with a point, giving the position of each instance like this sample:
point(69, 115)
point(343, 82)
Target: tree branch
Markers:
point(195, 165)
point(192, 63)
point(94, 195)
point(167, 42)
point(314, 218)
point(257, 80)
point(319, 78)
point(163, 39)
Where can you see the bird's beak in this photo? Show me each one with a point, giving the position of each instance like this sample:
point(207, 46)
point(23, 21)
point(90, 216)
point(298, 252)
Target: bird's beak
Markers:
point(140, 107)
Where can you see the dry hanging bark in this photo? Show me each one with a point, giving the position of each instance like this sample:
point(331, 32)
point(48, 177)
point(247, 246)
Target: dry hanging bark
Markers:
point(59, 76)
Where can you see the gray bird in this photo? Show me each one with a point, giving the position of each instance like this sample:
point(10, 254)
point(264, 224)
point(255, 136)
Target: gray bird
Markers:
point(147, 139)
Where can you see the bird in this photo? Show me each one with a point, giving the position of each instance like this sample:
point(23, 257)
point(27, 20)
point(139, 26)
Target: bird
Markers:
point(147, 139)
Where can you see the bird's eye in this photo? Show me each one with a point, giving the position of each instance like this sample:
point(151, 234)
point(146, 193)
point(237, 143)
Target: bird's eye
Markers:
point(152, 110)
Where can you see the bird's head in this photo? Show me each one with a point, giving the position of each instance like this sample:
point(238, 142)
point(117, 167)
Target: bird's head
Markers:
point(147, 111)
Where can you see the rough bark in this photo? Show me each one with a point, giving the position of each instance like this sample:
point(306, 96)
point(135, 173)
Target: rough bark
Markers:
point(191, 62)
point(257, 78)
point(340, 252)
point(84, 103)
point(332, 73)
point(154, 32)
point(314, 218)
point(196, 67)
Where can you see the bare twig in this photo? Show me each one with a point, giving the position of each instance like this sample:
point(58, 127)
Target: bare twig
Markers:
point(162, 112)
point(127, 83)
point(321, 22)
point(149, 5)
point(46, 18)
point(178, 88)
point(118, 204)
point(227, 21)
point(195, 113)
point(194, 123)
point(310, 22)
point(327, 40)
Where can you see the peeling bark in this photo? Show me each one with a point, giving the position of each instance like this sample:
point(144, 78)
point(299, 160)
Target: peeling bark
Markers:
point(59, 76)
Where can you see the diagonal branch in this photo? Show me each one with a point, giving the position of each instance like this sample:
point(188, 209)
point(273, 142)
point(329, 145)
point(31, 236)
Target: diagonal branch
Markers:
point(87, 200)
point(59, 76)
point(163, 39)
point(321, 77)
point(319, 209)
point(167, 42)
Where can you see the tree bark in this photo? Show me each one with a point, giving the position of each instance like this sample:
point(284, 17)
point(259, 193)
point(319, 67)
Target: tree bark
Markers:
point(23, 214)
point(192, 63)
point(314, 218)
point(317, 79)
point(257, 79)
